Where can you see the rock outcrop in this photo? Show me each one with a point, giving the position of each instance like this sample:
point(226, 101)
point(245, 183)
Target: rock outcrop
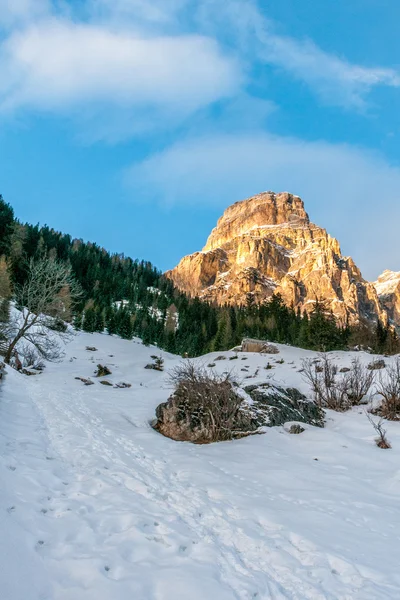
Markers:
point(388, 289)
point(267, 244)
point(193, 415)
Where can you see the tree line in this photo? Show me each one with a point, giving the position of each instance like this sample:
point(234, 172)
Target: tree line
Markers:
point(129, 298)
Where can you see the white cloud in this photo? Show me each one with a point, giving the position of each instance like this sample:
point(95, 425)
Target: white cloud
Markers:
point(57, 64)
point(353, 192)
point(15, 12)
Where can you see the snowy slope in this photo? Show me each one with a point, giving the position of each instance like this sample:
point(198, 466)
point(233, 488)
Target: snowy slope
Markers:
point(387, 283)
point(96, 505)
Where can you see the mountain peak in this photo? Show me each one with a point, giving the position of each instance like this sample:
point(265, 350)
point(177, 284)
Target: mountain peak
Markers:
point(267, 244)
point(263, 210)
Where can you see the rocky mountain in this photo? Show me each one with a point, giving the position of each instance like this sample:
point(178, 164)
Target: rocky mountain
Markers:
point(267, 244)
point(388, 289)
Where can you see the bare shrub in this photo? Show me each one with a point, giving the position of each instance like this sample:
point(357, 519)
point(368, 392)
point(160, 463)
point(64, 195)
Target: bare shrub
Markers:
point(360, 380)
point(337, 391)
point(204, 407)
point(328, 391)
point(388, 388)
point(381, 441)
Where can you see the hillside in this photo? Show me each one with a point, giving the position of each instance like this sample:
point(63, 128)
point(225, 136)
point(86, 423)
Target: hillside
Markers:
point(266, 245)
point(130, 297)
point(96, 505)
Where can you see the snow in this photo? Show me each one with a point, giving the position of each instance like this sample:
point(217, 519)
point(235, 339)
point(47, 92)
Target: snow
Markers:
point(96, 505)
point(387, 283)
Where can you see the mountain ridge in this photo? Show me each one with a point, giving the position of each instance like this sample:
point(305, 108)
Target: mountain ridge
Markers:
point(267, 244)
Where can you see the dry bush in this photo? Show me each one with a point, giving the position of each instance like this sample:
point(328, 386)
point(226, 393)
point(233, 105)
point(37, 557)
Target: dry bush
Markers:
point(388, 388)
point(337, 391)
point(204, 405)
point(359, 380)
point(381, 441)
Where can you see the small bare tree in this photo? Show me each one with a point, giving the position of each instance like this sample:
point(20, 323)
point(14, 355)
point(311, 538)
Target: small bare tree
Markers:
point(381, 441)
point(46, 297)
point(388, 388)
point(337, 391)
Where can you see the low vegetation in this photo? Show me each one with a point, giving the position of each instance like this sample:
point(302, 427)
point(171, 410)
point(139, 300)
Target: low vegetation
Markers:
point(337, 390)
point(388, 389)
point(205, 407)
point(381, 440)
point(157, 364)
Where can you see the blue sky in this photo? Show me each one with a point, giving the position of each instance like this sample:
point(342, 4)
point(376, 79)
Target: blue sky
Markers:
point(135, 123)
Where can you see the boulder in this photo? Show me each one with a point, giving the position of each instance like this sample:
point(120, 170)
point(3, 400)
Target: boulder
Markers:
point(274, 405)
point(206, 417)
point(102, 371)
point(376, 365)
point(250, 345)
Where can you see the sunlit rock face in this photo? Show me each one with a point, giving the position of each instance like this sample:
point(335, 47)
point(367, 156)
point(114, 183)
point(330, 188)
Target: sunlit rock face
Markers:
point(388, 289)
point(267, 244)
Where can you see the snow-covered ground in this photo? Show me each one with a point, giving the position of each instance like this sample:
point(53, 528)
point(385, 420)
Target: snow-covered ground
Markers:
point(96, 505)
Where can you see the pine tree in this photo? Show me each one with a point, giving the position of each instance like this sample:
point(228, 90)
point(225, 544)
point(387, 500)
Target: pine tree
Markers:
point(6, 226)
point(77, 322)
point(125, 329)
point(89, 320)
point(111, 321)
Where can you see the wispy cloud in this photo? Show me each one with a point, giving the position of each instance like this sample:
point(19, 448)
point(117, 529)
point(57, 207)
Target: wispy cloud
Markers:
point(336, 80)
point(350, 189)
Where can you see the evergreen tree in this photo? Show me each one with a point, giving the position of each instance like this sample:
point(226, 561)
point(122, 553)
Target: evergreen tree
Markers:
point(89, 320)
point(6, 226)
point(111, 321)
point(124, 324)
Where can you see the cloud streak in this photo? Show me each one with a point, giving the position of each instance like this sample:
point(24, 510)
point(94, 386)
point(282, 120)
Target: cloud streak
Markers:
point(335, 80)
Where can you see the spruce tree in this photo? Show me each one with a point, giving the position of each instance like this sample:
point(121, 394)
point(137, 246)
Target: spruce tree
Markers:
point(89, 320)
point(6, 226)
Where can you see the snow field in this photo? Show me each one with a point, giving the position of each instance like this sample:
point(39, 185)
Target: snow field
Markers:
point(96, 505)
